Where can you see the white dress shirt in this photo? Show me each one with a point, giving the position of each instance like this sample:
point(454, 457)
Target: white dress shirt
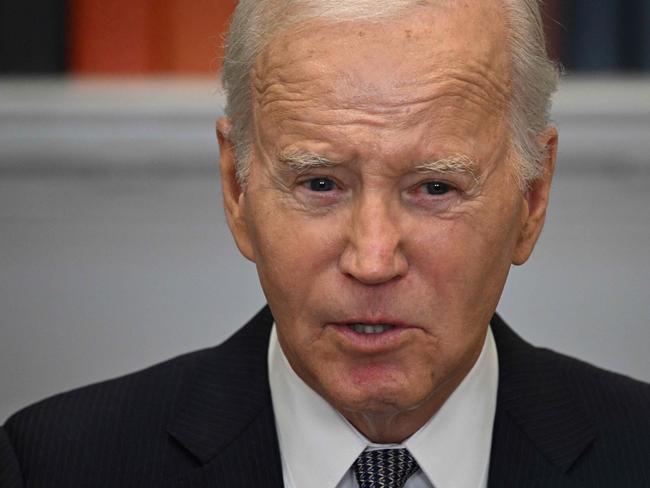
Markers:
point(318, 445)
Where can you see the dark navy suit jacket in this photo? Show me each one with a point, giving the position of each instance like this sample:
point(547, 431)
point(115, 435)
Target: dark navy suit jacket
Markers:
point(205, 419)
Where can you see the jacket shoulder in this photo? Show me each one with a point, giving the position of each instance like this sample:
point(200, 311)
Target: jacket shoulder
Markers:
point(617, 407)
point(151, 390)
point(117, 433)
point(590, 423)
point(608, 398)
point(611, 401)
point(75, 437)
point(133, 391)
point(593, 385)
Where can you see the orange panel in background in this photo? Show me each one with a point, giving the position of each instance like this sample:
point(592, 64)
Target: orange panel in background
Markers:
point(147, 36)
point(110, 36)
point(194, 40)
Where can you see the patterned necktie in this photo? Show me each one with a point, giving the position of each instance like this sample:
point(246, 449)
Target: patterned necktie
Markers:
point(385, 468)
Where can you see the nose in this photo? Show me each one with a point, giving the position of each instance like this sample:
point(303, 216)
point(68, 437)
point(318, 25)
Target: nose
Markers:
point(373, 253)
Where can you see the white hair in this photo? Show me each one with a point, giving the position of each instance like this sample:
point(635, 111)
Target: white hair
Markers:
point(254, 23)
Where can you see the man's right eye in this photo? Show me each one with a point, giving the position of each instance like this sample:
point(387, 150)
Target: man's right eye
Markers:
point(321, 184)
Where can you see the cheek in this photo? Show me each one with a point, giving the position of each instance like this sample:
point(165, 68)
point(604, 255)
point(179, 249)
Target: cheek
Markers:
point(466, 259)
point(294, 252)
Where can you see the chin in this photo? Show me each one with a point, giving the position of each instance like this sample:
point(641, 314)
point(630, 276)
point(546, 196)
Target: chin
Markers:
point(379, 400)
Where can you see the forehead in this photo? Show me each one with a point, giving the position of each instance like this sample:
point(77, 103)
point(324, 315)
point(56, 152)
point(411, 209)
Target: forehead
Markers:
point(452, 57)
point(421, 41)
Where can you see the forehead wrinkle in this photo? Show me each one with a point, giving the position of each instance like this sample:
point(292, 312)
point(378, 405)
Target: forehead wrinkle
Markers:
point(270, 91)
point(465, 84)
point(500, 80)
point(274, 78)
point(276, 81)
point(473, 86)
point(363, 109)
point(399, 115)
point(287, 118)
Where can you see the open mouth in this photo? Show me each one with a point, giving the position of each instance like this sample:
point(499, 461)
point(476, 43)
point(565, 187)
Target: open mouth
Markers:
point(373, 337)
point(370, 328)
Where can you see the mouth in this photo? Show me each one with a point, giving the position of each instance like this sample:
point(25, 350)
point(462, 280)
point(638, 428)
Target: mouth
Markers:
point(373, 336)
point(371, 328)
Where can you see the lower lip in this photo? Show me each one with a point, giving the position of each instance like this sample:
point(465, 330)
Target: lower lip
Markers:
point(372, 343)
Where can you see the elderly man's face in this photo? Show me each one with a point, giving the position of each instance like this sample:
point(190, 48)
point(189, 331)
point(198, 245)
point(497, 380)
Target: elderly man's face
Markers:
point(382, 209)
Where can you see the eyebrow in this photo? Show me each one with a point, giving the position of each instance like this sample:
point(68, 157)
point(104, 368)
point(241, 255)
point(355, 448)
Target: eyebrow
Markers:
point(456, 164)
point(301, 162)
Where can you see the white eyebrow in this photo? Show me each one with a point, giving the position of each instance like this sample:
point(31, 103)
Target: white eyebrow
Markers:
point(301, 162)
point(456, 164)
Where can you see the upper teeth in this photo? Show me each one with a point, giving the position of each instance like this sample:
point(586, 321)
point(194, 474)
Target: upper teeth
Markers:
point(371, 329)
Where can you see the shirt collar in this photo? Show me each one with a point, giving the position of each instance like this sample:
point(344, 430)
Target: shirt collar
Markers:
point(318, 445)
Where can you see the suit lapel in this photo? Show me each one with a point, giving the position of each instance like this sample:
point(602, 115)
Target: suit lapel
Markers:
point(226, 418)
point(540, 430)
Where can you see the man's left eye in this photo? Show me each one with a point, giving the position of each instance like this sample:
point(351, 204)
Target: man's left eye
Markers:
point(321, 184)
point(437, 188)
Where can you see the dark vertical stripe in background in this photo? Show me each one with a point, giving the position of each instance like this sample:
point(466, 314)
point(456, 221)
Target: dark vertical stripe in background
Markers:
point(593, 31)
point(608, 35)
point(644, 15)
point(33, 36)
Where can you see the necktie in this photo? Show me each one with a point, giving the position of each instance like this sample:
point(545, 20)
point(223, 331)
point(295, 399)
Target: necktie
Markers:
point(385, 468)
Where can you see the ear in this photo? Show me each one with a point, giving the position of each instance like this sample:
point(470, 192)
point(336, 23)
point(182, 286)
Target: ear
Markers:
point(536, 199)
point(234, 196)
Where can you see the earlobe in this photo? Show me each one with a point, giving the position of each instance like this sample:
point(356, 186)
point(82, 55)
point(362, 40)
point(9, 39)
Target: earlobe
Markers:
point(234, 196)
point(536, 199)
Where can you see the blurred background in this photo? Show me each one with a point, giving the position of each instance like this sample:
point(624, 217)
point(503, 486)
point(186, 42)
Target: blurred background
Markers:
point(114, 252)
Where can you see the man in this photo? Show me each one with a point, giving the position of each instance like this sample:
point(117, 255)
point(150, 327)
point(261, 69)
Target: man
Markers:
point(383, 164)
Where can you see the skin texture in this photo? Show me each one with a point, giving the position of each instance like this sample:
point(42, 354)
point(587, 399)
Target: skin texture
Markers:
point(403, 125)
